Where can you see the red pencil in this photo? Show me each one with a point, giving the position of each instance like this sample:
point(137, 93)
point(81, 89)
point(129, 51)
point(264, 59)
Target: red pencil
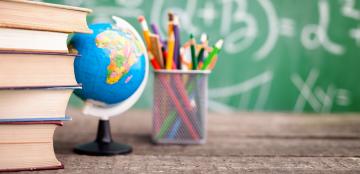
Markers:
point(153, 61)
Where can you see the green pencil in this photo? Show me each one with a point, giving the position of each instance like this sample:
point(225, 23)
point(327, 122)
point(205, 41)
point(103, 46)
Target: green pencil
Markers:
point(166, 124)
point(213, 53)
point(193, 54)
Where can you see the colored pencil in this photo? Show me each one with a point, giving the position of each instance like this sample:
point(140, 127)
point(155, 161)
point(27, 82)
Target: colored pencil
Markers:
point(184, 63)
point(156, 49)
point(153, 61)
point(166, 124)
point(213, 53)
point(170, 53)
point(180, 109)
point(155, 30)
point(193, 52)
point(146, 31)
point(177, 42)
point(170, 23)
point(164, 53)
point(175, 128)
point(200, 57)
point(204, 40)
point(205, 45)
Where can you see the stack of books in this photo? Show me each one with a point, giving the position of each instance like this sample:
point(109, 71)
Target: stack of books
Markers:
point(36, 80)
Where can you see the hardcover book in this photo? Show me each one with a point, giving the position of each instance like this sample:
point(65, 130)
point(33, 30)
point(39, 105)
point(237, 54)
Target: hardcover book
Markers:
point(19, 69)
point(43, 16)
point(36, 103)
point(33, 40)
point(28, 146)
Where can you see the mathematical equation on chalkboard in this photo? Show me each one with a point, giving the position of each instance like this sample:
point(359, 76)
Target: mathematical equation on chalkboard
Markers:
point(242, 30)
point(231, 12)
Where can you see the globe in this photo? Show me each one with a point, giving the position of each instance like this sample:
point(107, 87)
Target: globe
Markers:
point(112, 67)
point(111, 62)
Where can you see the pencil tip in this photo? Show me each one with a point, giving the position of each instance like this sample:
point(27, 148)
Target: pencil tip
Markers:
point(171, 16)
point(141, 18)
point(219, 43)
point(203, 37)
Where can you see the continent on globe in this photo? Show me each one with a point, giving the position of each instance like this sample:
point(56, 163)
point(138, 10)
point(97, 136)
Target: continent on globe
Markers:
point(124, 50)
point(111, 64)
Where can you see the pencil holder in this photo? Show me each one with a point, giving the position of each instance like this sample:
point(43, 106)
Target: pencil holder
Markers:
point(180, 106)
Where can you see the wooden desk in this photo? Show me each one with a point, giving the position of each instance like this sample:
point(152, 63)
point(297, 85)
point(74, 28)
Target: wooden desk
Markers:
point(252, 142)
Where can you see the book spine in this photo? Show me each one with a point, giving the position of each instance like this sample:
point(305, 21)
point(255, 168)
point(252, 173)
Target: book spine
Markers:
point(59, 123)
point(61, 166)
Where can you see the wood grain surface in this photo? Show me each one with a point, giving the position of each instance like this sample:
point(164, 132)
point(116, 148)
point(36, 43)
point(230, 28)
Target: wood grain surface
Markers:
point(237, 143)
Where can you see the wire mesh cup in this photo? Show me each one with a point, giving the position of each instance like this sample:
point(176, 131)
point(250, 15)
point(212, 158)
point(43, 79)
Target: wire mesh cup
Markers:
point(180, 106)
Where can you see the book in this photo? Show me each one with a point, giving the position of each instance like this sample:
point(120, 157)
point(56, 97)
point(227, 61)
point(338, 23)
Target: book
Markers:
point(19, 69)
point(43, 16)
point(32, 40)
point(28, 146)
point(35, 103)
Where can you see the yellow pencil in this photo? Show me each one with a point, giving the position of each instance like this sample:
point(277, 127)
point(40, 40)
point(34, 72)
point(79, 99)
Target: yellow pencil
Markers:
point(170, 55)
point(170, 23)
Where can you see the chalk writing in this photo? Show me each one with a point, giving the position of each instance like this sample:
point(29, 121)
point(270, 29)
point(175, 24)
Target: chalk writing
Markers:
point(255, 32)
point(314, 36)
point(261, 81)
point(319, 99)
point(348, 9)
point(355, 34)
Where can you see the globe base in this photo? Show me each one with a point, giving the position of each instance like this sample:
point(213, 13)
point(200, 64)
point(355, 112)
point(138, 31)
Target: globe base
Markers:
point(100, 149)
point(103, 145)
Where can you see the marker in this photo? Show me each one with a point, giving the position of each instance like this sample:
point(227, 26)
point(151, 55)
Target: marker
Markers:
point(213, 53)
point(146, 32)
point(170, 53)
point(177, 42)
point(193, 54)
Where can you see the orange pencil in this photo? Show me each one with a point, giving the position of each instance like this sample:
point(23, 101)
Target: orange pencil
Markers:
point(146, 31)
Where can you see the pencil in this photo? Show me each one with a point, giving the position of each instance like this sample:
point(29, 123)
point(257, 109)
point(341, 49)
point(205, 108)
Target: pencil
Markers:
point(155, 30)
point(156, 49)
point(193, 52)
point(170, 53)
point(146, 31)
point(164, 53)
point(170, 23)
point(153, 61)
point(213, 53)
point(177, 42)
point(204, 39)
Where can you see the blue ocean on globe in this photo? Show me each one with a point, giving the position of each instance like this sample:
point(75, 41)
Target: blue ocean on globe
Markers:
point(111, 63)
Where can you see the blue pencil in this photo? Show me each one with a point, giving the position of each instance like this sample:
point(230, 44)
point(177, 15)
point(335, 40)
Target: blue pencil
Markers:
point(175, 128)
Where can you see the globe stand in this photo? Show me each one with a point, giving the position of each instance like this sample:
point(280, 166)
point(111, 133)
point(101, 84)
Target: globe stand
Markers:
point(103, 144)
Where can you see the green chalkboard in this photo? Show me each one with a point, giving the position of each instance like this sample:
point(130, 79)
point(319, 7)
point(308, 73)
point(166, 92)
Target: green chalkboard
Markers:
point(279, 55)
